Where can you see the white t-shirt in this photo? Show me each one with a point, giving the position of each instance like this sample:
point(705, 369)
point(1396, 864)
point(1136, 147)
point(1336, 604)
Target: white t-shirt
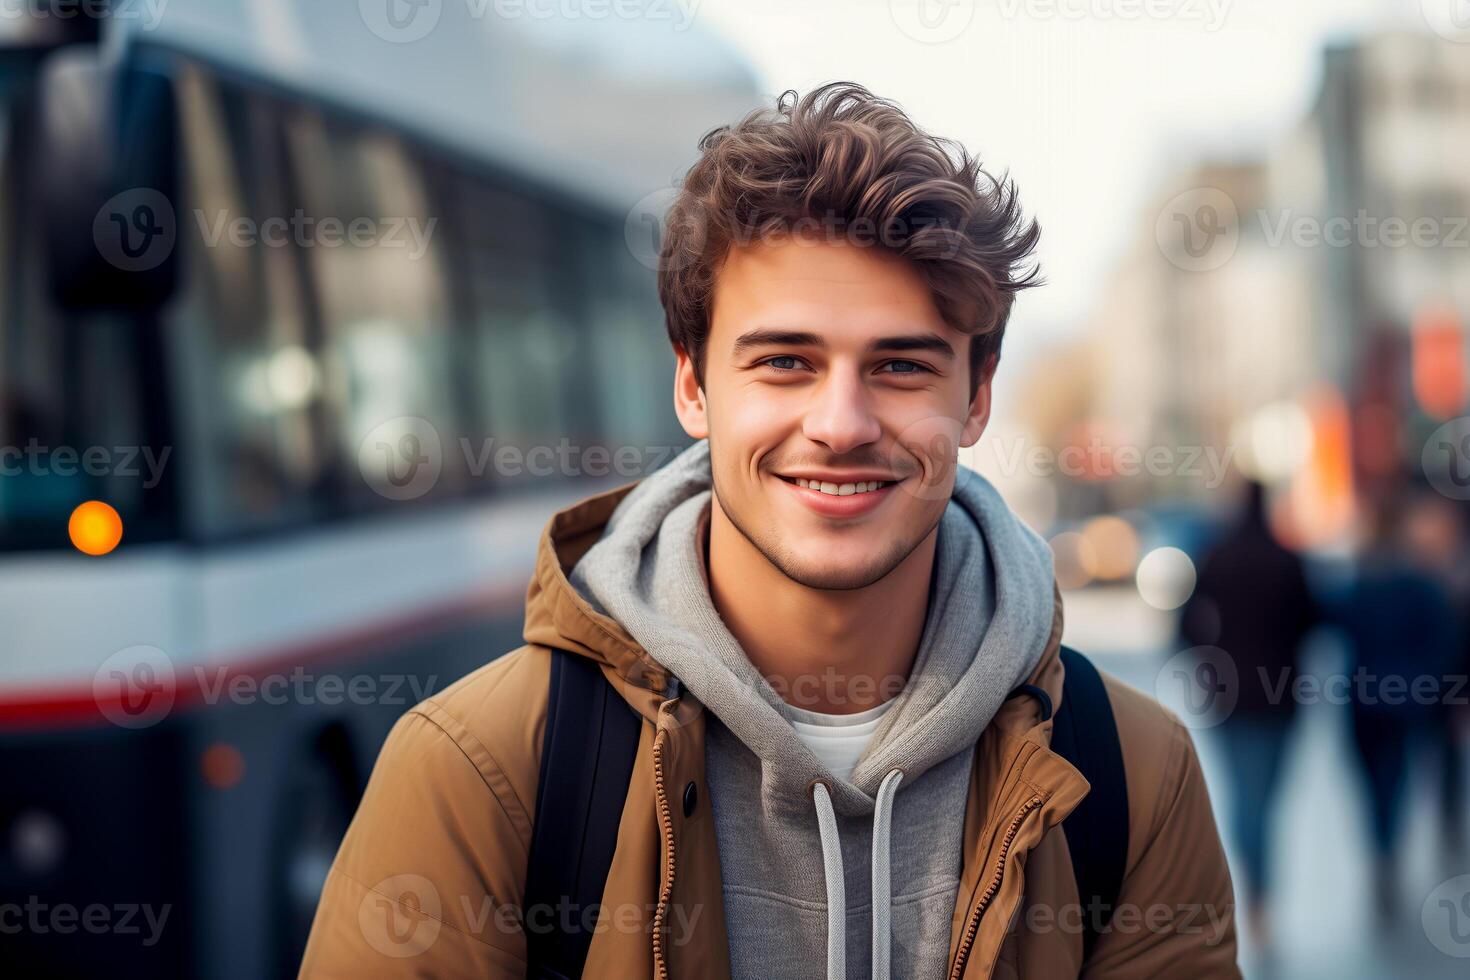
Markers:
point(838, 740)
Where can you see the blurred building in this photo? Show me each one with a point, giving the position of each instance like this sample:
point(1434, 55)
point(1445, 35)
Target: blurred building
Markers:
point(1298, 308)
point(1393, 119)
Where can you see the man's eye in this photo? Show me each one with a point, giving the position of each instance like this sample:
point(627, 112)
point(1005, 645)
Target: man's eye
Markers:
point(772, 361)
point(908, 367)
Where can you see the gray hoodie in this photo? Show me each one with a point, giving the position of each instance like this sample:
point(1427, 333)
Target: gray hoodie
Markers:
point(868, 869)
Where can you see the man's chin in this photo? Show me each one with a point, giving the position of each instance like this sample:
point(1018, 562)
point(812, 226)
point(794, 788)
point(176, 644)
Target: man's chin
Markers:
point(819, 564)
point(830, 578)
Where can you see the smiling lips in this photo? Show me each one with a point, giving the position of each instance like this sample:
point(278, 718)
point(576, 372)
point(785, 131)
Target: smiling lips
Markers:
point(841, 489)
point(832, 499)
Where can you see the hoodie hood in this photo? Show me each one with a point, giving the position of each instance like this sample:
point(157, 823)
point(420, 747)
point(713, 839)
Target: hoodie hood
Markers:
point(989, 621)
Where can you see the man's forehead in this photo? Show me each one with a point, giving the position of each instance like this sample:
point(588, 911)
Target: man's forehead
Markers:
point(796, 286)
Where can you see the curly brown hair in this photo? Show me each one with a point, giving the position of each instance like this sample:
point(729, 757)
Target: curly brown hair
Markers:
point(855, 163)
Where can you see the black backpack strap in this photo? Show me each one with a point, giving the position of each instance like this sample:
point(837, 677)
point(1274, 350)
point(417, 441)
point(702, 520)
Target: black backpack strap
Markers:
point(1085, 733)
point(587, 755)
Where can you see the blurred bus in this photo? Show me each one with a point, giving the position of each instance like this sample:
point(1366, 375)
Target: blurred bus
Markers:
point(319, 434)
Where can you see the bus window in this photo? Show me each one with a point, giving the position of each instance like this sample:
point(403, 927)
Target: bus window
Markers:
point(531, 372)
point(377, 265)
point(628, 342)
point(249, 365)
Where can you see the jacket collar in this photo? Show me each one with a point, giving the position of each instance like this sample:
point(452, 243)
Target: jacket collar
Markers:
point(557, 615)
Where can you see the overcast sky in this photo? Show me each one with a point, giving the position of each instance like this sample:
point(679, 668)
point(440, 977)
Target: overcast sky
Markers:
point(1088, 112)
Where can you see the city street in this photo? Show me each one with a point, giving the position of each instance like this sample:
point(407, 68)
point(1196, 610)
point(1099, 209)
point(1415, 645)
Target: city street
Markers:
point(1324, 923)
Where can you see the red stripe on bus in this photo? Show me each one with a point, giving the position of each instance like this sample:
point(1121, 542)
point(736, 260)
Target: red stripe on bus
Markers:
point(76, 704)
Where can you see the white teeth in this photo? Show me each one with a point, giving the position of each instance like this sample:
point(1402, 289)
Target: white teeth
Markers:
point(841, 489)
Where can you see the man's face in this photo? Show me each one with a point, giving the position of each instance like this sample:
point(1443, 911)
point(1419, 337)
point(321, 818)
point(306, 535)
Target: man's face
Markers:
point(829, 362)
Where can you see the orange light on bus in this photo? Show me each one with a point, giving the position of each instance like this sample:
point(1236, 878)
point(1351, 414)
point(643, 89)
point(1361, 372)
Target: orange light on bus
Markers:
point(95, 528)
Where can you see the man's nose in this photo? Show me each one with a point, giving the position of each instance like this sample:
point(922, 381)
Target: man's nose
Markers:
point(840, 415)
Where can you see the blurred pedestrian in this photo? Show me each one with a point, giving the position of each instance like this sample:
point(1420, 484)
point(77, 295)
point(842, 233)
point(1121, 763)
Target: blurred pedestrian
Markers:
point(1401, 626)
point(1253, 602)
point(1434, 535)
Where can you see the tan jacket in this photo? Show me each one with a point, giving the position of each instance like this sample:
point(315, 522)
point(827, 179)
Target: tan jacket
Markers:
point(429, 880)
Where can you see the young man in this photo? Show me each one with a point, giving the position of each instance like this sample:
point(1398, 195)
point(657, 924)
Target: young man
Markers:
point(842, 647)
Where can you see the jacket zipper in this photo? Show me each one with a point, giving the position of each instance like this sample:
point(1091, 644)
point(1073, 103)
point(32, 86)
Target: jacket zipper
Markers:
point(666, 827)
point(972, 927)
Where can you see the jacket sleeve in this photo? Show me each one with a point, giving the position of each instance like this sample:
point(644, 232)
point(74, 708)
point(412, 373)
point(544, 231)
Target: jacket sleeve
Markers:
point(430, 872)
point(1176, 908)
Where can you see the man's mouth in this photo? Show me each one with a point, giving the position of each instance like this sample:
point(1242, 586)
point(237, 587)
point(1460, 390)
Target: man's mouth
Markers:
point(840, 499)
point(839, 489)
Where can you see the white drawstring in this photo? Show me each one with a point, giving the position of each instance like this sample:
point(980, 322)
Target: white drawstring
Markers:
point(882, 882)
point(836, 888)
point(882, 915)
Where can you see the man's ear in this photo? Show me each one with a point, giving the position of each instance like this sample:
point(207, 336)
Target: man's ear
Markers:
point(979, 415)
point(689, 397)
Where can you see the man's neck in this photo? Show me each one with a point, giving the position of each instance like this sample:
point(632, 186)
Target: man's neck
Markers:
point(837, 651)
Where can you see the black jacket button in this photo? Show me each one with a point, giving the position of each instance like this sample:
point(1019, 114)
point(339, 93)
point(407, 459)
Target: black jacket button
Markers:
point(691, 799)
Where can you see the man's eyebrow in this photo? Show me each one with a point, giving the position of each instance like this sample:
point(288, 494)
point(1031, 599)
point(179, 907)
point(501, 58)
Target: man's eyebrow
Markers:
point(756, 339)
